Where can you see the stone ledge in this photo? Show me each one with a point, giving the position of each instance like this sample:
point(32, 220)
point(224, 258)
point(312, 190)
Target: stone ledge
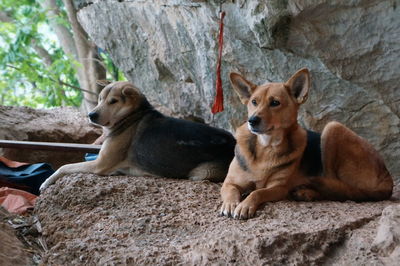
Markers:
point(94, 219)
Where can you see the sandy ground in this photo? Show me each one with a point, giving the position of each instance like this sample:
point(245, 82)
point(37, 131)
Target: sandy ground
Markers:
point(120, 220)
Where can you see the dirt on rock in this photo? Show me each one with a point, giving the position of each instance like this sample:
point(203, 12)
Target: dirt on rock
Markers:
point(21, 242)
point(112, 220)
point(12, 251)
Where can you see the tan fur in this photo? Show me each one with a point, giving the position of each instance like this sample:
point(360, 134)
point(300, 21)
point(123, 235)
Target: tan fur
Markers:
point(110, 113)
point(111, 158)
point(268, 157)
point(113, 154)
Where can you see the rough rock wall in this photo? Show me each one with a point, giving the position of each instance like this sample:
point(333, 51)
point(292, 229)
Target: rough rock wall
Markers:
point(168, 48)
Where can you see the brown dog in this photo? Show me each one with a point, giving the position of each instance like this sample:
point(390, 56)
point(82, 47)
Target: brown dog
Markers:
point(276, 159)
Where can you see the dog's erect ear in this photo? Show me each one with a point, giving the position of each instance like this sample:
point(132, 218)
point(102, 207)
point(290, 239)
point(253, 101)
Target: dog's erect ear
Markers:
point(243, 87)
point(129, 91)
point(103, 82)
point(299, 84)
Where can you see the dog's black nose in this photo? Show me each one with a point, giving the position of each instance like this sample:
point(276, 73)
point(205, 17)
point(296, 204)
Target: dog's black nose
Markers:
point(254, 121)
point(93, 116)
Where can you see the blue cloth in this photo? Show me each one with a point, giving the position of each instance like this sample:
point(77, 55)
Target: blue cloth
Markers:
point(30, 176)
point(91, 156)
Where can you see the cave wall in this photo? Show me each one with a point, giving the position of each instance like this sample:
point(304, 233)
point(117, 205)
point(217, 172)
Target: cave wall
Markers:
point(168, 48)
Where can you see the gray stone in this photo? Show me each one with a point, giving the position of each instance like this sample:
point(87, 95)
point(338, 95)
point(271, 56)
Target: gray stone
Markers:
point(168, 48)
point(387, 240)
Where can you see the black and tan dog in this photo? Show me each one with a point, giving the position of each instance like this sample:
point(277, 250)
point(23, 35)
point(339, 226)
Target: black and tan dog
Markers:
point(276, 159)
point(141, 141)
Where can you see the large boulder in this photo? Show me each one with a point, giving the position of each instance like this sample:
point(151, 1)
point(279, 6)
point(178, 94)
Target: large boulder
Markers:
point(168, 48)
point(109, 220)
point(63, 124)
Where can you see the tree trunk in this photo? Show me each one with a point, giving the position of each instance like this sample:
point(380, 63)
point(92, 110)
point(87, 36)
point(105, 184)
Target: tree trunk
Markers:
point(81, 48)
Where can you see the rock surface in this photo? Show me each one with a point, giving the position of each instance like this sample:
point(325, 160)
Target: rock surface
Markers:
point(168, 49)
point(387, 240)
point(54, 125)
point(108, 220)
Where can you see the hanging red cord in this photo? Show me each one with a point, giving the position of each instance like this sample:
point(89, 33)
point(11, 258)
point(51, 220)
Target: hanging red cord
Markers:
point(218, 105)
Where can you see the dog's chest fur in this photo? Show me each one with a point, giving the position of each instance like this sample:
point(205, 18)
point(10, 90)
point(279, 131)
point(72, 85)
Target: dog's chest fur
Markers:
point(269, 164)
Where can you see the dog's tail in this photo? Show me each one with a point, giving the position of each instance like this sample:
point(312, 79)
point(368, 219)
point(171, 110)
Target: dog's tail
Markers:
point(336, 189)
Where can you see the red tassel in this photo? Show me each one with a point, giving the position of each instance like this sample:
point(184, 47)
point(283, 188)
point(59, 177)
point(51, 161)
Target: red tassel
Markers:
point(218, 105)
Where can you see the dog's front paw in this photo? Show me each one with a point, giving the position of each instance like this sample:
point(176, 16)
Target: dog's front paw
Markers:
point(45, 184)
point(304, 193)
point(228, 207)
point(50, 180)
point(245, 210)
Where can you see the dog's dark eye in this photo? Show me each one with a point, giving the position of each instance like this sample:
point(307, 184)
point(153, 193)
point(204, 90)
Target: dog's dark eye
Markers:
point(254, 102)
point(113, 101)
point(274, 103)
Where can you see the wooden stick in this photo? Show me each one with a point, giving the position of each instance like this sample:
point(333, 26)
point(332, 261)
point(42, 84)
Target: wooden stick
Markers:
point(49, 146)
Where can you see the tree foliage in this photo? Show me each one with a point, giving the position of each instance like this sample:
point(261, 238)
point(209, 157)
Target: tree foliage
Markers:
point(34, 69)
point(26, 78)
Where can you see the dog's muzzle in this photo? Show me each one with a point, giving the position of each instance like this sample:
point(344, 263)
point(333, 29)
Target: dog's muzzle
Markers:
point(254, 122)
point(93, 116)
